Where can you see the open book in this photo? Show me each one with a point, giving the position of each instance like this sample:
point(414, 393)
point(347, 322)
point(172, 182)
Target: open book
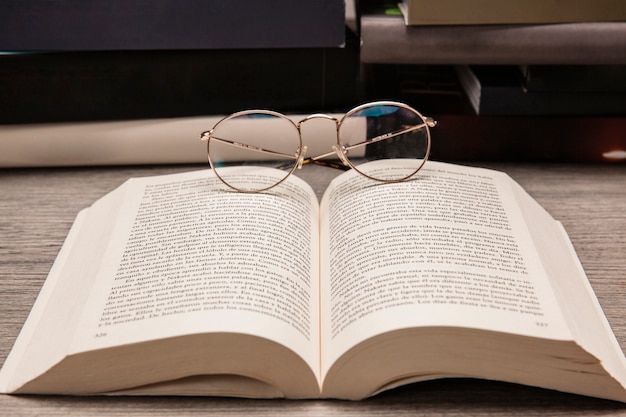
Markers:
point(173, 285)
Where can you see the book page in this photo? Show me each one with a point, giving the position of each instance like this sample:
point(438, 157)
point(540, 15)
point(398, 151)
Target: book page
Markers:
point(44, 340)
point(583, 312)
point(448, 248)
point(187, 256)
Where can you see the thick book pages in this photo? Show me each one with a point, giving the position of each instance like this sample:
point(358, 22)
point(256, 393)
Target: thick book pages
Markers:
point(172, 285)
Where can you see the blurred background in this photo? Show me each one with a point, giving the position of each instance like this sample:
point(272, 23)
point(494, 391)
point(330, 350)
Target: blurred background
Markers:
point(85, 82)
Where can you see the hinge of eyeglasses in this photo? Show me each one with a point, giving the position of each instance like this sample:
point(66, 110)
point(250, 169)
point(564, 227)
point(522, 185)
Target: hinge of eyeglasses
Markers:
point(205, 135)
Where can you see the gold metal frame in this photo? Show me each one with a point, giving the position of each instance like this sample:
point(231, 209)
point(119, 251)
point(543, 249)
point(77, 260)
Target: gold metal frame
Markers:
point(338, 149)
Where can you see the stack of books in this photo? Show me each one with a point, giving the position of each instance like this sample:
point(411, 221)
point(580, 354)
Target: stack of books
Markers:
point(537, 90)
point(90, 60)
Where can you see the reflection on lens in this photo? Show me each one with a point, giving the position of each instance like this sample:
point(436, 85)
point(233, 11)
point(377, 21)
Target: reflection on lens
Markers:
point(249, 140)
point(385, 130)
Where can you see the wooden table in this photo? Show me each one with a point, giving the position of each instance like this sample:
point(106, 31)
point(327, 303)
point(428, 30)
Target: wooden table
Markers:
point(37, 208)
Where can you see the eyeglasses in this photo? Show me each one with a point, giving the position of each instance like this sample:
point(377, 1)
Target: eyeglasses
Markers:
point(373, 131)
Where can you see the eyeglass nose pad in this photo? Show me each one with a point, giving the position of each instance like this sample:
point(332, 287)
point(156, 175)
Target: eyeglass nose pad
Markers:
point(301, 158)
point(341, 153)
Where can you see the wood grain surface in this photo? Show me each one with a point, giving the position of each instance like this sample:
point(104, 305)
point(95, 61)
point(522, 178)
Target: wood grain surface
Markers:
point(38, 206)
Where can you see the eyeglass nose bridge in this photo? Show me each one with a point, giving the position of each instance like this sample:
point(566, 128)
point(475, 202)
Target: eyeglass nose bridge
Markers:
point(318, 116)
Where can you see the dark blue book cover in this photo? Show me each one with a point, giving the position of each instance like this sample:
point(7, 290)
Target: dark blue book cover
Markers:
point(169, 24)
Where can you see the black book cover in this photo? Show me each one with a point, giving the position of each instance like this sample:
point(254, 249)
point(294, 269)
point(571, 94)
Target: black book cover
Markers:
point(499, 90)
point(116, 85)
point(68, 25)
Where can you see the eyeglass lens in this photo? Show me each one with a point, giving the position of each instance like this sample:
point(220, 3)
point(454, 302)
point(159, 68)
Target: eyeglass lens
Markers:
point(385, 131)
point(248, 138)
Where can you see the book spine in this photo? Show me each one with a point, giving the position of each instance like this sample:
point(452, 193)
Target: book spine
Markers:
point(387, 40)
point(460, 12)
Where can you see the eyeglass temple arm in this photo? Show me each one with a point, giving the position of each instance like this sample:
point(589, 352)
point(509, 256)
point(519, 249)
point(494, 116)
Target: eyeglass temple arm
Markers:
point(206, 135)
point(428, 121)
